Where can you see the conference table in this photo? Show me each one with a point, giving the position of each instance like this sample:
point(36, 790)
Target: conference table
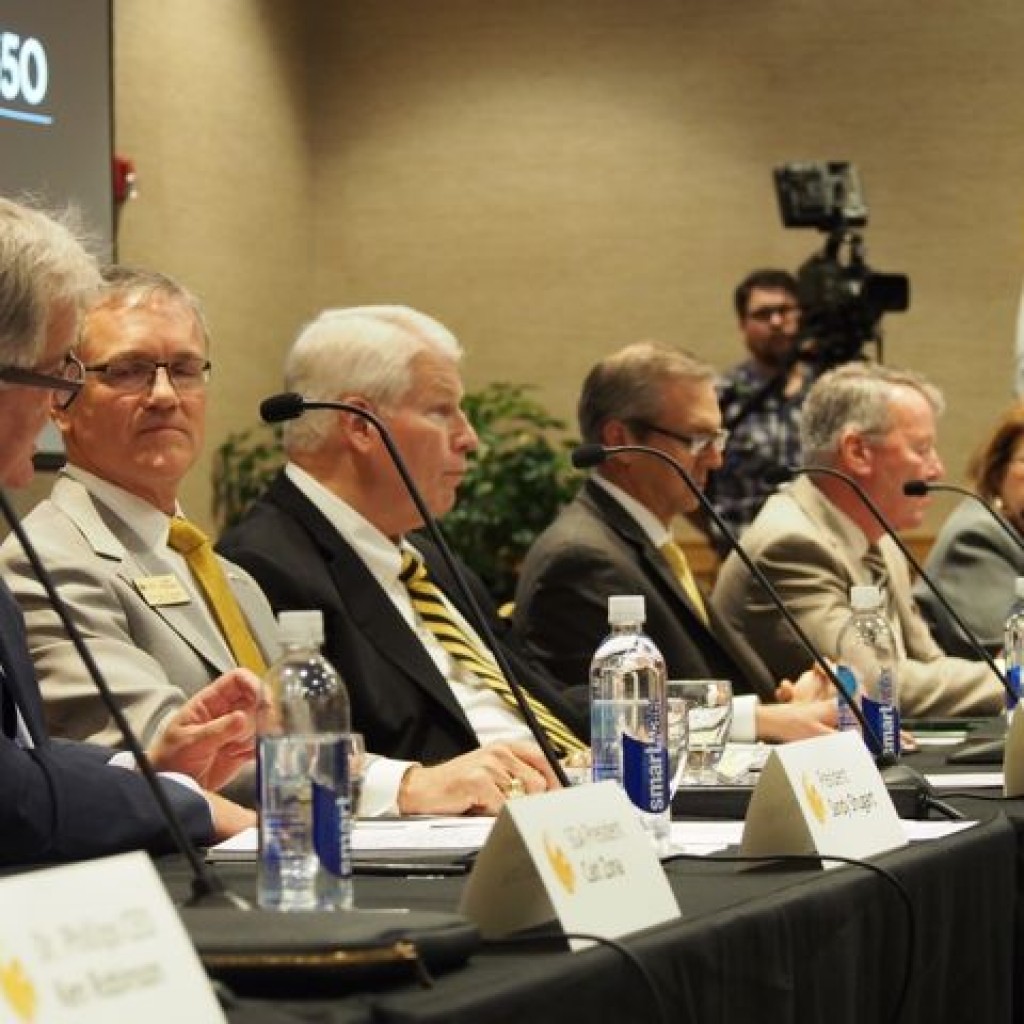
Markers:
point(788, 943)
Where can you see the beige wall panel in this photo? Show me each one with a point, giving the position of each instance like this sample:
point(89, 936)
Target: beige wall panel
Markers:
point(211, 100)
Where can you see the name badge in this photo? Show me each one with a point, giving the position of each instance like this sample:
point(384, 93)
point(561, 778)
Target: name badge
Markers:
point(162, 591)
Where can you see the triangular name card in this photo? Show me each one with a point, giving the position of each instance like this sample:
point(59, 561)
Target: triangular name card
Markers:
point(579, 856)
point(821, 796)
point(98, 942)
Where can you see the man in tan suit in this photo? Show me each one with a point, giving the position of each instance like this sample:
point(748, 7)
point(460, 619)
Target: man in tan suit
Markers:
point(815, 539)
point(132, 434)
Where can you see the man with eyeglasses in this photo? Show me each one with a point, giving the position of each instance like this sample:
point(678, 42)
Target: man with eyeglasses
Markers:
point(615, 538)
point(815, 539)
point(760, 398)
point(63, 800)
point(108, 532)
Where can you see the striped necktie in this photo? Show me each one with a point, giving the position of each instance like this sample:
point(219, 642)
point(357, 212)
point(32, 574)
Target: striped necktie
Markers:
point(678, 562)
point(194, 546)
point(435, 615)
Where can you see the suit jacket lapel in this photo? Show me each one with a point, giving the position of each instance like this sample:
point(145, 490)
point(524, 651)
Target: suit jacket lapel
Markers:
point(110, 538)
point(371, 609)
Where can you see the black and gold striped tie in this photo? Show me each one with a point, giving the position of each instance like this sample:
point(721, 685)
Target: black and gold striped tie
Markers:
point(434, 614)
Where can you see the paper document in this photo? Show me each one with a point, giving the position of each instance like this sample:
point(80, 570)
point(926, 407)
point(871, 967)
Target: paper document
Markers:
point(967, 780)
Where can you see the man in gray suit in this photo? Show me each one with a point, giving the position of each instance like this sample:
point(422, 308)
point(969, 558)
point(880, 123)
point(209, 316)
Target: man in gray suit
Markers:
point(131, 434)
point(615, 538)
point(815, 539)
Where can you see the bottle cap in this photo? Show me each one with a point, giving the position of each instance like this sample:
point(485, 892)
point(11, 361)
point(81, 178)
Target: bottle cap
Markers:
point(1018, 587)
point(304, 628)
point(865, 599)
point(624, 609)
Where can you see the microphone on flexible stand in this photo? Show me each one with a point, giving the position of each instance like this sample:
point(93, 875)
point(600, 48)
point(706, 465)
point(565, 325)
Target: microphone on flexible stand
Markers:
point(898, 778)
point(919, 488)
point(290, 405)
point(208, 890)
point(788, 472)
point(586, 456)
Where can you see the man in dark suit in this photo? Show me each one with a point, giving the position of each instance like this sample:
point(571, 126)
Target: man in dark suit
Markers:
point(615, 538)
point(332, 534)
point(65, 800)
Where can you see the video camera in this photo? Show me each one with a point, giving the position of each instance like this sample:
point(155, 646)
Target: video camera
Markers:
point(842, 298)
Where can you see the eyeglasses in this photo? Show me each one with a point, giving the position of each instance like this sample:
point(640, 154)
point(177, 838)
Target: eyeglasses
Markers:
point(131, 374)
point(696, 444)
point(67, 379)
point(765, 313)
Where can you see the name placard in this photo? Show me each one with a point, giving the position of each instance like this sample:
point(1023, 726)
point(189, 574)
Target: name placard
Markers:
point(1013, 755)
point(821, 796)
point(579, 856)
point(98, 942)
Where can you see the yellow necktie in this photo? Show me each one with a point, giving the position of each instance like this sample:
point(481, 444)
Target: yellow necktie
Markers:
point(676, 558)
point(194, 546)
point(434, 614)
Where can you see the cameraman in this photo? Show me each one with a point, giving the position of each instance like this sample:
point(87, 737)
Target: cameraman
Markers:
point(761, 397)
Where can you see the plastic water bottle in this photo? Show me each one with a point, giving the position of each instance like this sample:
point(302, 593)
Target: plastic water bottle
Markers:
point(305, 860)
point(867, 652)
point(846, 717)
point(1013, 646)
point(629, 716)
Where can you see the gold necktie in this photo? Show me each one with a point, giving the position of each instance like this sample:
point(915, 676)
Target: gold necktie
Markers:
point(434, 614)
point(676, 558)
point(195, 548)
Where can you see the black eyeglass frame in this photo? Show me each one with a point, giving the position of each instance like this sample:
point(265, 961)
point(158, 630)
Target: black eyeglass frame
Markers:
point(696, 444)
point(156, 365)
point(22, 377)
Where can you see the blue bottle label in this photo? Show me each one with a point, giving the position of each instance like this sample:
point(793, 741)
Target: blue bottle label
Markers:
point(1013, 678)
point(645, 774)
point(884, 722)
point(331, 809)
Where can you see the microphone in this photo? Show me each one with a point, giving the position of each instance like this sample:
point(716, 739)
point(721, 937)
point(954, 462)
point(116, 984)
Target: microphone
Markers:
point(786, 473)
point(586, 456)
point(919, 488)
point(290, 405)
point(208, 890)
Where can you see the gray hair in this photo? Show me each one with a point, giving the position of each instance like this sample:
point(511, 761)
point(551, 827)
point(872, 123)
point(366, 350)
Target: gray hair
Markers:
point(361, 350)
point(856, 396)
point(628, 385)
point(136, 286)
point(43, 263)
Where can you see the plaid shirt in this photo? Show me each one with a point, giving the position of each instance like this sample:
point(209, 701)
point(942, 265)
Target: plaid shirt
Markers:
point(767, 437)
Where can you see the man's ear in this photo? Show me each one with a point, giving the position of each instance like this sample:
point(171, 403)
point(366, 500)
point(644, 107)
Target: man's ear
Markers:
point(362, 435)
point(615, 432)
point(856, 455)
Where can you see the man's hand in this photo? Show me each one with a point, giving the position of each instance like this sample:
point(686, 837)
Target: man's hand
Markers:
point(812, 685)
point(798, 720)
point(228, 818)
point(212, 736)
point(477, 782)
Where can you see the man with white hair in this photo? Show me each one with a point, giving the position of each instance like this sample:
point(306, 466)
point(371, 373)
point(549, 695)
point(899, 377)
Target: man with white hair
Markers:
point(333, 531)
point(815, 539)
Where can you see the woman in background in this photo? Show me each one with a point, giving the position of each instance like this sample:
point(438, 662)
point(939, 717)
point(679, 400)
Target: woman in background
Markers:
point(973, 560)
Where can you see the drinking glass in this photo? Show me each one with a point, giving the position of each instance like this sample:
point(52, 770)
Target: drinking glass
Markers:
point(706, 705)
point(356, 768)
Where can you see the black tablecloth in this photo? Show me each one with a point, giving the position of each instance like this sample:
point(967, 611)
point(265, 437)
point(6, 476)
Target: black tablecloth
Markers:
point(780, 945)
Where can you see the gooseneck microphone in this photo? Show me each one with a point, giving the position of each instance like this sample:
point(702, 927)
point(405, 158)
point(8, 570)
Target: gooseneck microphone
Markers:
point(290, 405)
point(586, 456)
point(787, 473)
point(919, 488)
point(208, 891)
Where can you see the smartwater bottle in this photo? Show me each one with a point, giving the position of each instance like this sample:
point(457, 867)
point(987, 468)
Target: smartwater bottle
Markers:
point(867, 652)
point(305, 860)
point(628, 714)
point(1013, 646)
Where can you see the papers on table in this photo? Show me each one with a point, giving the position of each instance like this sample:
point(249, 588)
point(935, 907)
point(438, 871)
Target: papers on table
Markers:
point(967, 780)
point(701, 838)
